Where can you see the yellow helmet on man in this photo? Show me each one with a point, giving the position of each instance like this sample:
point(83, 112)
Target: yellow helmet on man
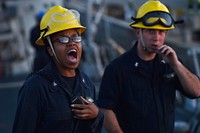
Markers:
point(153, 15)
point(58, 19)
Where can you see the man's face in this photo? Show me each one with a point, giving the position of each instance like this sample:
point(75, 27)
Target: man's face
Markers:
point(152, 38)
point(68, 54)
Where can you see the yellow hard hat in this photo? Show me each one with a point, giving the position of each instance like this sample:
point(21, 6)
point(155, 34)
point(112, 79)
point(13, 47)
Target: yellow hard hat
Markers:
point(58, 19)
point(153, 15)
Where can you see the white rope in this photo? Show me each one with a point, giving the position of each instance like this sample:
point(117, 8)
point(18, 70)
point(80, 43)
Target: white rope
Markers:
point(49, 40)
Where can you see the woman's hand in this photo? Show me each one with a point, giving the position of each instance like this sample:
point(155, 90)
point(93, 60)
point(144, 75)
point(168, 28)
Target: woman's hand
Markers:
point(85, 111)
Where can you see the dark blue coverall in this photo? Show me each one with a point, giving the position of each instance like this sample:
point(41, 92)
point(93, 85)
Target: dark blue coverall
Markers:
point(141, 93)
point(43, 106)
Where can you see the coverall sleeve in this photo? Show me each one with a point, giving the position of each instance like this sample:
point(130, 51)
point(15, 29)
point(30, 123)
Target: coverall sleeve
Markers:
point(97, 124)
point(110, 89)
point(27, 112)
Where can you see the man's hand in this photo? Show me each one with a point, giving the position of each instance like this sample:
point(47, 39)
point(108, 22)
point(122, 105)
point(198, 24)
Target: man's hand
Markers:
point(168, 54)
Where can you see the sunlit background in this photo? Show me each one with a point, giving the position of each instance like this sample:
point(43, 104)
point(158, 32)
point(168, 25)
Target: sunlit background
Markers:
point(108, 35)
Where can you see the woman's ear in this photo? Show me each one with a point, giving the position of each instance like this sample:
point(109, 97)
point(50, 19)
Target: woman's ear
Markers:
point(50, 51)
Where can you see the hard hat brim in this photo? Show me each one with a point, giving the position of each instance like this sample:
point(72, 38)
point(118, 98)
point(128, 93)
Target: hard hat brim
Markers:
point(40, 41)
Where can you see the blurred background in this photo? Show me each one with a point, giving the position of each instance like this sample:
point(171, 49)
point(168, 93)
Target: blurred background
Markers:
point(108, 35)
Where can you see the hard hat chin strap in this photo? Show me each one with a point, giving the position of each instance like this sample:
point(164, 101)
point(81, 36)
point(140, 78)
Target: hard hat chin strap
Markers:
point(54, 53)
point(142, 40)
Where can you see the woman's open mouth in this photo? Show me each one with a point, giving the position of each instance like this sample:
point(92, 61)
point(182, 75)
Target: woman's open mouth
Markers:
point(72, 55)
